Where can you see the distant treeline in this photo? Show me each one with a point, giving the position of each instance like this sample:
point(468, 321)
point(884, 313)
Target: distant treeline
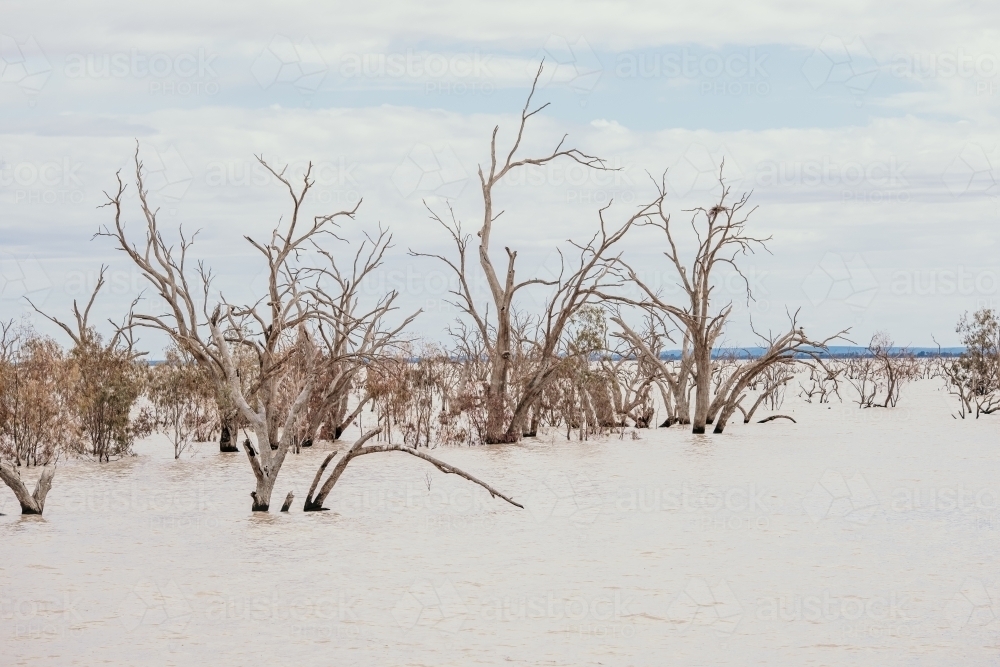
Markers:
point(833, 352)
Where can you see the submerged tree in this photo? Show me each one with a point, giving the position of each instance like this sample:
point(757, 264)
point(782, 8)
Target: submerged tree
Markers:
point(878, 375)
point(36, 418)
point(181, 397)
point(974, 377)
point(720, 237)
point(286, 329)
point(505, 335)
point(107, 382)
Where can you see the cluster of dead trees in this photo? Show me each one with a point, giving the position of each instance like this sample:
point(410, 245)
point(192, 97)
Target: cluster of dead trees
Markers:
point(313, 355)
point(879, 374)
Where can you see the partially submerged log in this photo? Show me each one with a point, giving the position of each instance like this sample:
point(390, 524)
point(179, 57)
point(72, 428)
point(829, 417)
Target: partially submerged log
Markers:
point(315, 503)
point(773, 417)
point(31, 503)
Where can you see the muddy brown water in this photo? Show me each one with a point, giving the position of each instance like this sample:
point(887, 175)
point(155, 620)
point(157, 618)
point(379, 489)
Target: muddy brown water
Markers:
point(850, 538)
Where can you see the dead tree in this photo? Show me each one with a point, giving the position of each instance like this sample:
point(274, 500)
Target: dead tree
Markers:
point(879, 373)
point(34, 502)
point(648, 347)
point(353, 337)
point(630, 379)
point(632, 373)
point(720, 237)
point(861, 372)
point(772, 382)
point(282, 329)
point(505, 414)
point(781, 350)
point(896, 367)
point(274, 329)
point(823, 382)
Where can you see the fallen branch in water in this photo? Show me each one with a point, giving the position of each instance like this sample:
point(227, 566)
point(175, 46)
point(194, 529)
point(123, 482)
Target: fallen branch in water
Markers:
point(772, 417)
point(360, 449)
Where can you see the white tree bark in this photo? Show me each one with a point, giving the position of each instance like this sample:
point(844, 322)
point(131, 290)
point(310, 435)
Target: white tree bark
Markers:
point(31, 503)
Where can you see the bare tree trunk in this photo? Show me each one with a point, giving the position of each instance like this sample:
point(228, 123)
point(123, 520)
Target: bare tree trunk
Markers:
point(315, 504)
point(727, 412)
point(227, 437)
point(31, 503)
point(505, 414)
point(265, 476)
point(262, 494)
point(703, 387)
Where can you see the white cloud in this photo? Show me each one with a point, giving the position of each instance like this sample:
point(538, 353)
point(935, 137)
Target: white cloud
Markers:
point(880, 182)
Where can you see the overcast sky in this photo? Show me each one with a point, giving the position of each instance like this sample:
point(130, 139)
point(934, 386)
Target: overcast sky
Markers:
point(867, 132)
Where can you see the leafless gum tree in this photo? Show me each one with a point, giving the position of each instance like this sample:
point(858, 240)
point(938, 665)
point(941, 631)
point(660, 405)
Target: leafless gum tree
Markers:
point(720, 238)
point(506, 411)
point(352, 337)
point(274, 329)
point(880, 372)
point(780, 353)
point(823, 381)
point(282, 329)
